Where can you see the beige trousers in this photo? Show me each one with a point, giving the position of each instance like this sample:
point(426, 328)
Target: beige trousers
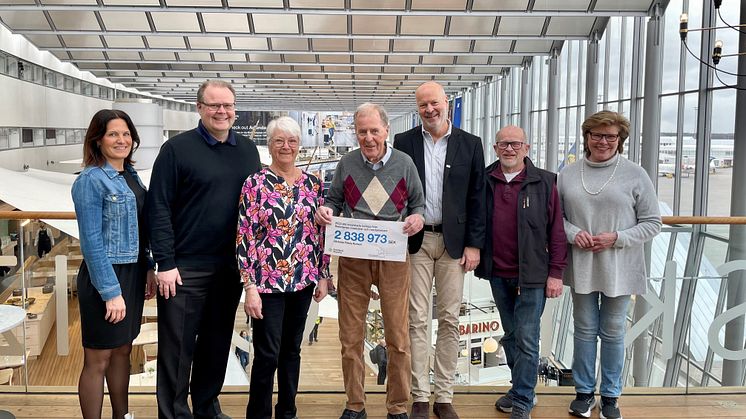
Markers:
point(433, 262)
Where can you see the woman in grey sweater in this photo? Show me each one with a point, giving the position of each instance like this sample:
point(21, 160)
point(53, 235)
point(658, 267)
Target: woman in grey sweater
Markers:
point(611, 210)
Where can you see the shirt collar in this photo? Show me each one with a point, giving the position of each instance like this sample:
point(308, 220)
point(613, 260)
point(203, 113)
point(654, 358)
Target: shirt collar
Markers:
point(212, 140)
point(426, 134)
point(384, 159)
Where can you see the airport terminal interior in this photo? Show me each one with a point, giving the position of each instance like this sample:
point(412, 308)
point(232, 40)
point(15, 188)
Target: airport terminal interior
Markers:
point(672, 67)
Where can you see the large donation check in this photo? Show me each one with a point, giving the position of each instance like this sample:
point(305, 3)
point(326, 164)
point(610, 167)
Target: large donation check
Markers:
point(366, 239)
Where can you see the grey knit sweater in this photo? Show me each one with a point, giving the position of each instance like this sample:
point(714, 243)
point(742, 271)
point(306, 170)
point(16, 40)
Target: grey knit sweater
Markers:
point(390, 193)
point(628, 205)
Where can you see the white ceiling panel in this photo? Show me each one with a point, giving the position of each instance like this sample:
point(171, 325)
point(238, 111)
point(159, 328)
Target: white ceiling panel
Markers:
point(82, 41)
point(437, 59)
point(423, 25)
point(472, 25)
point(556, 5)
point(256, 3)
point(204, 42)
point(334, 59)
point(87, 55)
point(318, 4)
point(471, 59)
point(131, 2)
point(378, 4)
point(159, 56)
point(532, 47)
point(300, 58)
point(492, 45)
point(512, 5)
point(330, 44)
point(194, 56)
point(423, 69)
point(622, 6)
point(404, 59)
point(289, 44)
point(24, 20)
point(416, 45)
point(68, 2)
point(369, 59)
point(124, 42)
point(373, 25)
point(194, 3)
point(233, 56)
point(125, 21)
point(44, 41)
point(371, 45)
point(173, 42)
point(242, 42)
point(520, 25)
point(438, 4)
point(264, 58)
point(513, 60)
point(226, 22)
point(451, 45)
point(175, 21)
point(84, 21)
point(124, 55)
point(564, 26)
point(266, 23)
point(324, 24)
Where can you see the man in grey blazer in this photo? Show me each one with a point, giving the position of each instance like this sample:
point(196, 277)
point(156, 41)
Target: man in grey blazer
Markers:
point(450, 163)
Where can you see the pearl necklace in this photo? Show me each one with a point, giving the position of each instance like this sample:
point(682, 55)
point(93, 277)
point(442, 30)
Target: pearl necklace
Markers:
point(582, 176)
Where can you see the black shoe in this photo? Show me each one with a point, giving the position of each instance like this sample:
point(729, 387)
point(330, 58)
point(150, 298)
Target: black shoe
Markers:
point(397, 416)
point(504, 404)
point(351, 414)
point(582, 405)
point(610, 408)
point(518, 412)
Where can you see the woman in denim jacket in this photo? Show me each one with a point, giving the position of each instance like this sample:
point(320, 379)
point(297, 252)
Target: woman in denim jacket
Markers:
point(116, 275)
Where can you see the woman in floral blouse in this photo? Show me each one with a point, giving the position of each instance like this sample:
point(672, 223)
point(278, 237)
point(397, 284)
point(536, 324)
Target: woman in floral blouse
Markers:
point(282, 264)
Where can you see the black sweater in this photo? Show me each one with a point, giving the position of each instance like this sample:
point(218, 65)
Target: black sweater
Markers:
point(193, 200)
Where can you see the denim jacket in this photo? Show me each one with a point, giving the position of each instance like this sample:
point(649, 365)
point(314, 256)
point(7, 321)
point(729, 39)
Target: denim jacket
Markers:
point(106, 210)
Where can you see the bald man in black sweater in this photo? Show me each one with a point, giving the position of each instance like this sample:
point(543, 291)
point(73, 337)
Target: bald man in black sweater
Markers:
point(193, 211)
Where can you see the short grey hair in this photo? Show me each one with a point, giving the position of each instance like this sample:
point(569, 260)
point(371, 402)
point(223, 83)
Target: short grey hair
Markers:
point(368, 107)
point(213, 83)
point(283, 124)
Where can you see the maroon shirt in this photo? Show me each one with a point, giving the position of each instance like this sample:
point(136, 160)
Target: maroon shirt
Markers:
point(505, 228)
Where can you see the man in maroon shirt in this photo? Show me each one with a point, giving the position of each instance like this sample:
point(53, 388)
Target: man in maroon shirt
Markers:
point(523, 258)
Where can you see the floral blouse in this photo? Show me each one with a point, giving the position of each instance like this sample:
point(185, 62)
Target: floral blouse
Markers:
point(278, 245)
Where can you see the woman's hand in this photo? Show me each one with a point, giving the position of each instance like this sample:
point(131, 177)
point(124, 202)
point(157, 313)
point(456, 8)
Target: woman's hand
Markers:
point(584, 240)
point(151, 286)
point(253, 304)
point(322, 288)
point(115, 310)
point(603, 241)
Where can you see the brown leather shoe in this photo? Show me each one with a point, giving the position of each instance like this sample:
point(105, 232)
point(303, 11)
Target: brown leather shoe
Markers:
point(420, 410)
point(445, 411)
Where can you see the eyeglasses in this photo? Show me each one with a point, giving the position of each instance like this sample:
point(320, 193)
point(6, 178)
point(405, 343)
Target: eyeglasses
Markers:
point(280, 142)
point(216, 106)
point(610, 138)
point(515, 145)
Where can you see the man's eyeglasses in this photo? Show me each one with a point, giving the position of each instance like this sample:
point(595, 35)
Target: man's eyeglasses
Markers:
point(515, 145)
point(610, 138)
point(280, 142)
point(216, 106)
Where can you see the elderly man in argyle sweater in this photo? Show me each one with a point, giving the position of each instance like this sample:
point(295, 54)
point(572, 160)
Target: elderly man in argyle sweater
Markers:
point(381, 183)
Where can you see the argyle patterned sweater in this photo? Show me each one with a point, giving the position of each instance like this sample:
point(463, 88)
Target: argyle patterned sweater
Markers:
point(390, 193)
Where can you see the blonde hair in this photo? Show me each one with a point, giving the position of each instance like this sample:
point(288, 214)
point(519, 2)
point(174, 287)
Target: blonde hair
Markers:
point(605, 119)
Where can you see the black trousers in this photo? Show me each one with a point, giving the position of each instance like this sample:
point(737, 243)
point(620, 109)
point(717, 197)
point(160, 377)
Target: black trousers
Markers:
point(194, 335)
point(277, 340)
point(382, 373)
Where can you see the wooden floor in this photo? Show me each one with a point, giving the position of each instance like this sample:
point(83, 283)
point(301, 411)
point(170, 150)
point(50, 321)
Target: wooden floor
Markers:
point(469, 406)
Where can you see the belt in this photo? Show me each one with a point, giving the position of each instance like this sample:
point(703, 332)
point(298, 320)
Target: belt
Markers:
point(434, 228)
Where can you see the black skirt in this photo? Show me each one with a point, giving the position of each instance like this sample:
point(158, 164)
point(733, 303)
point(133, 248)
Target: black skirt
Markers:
point(97, 332)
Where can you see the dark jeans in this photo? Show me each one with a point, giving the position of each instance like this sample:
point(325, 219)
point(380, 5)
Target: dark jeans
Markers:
point(382, 373)
point(521, 317)
point(277, 340)
point(194, 335)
